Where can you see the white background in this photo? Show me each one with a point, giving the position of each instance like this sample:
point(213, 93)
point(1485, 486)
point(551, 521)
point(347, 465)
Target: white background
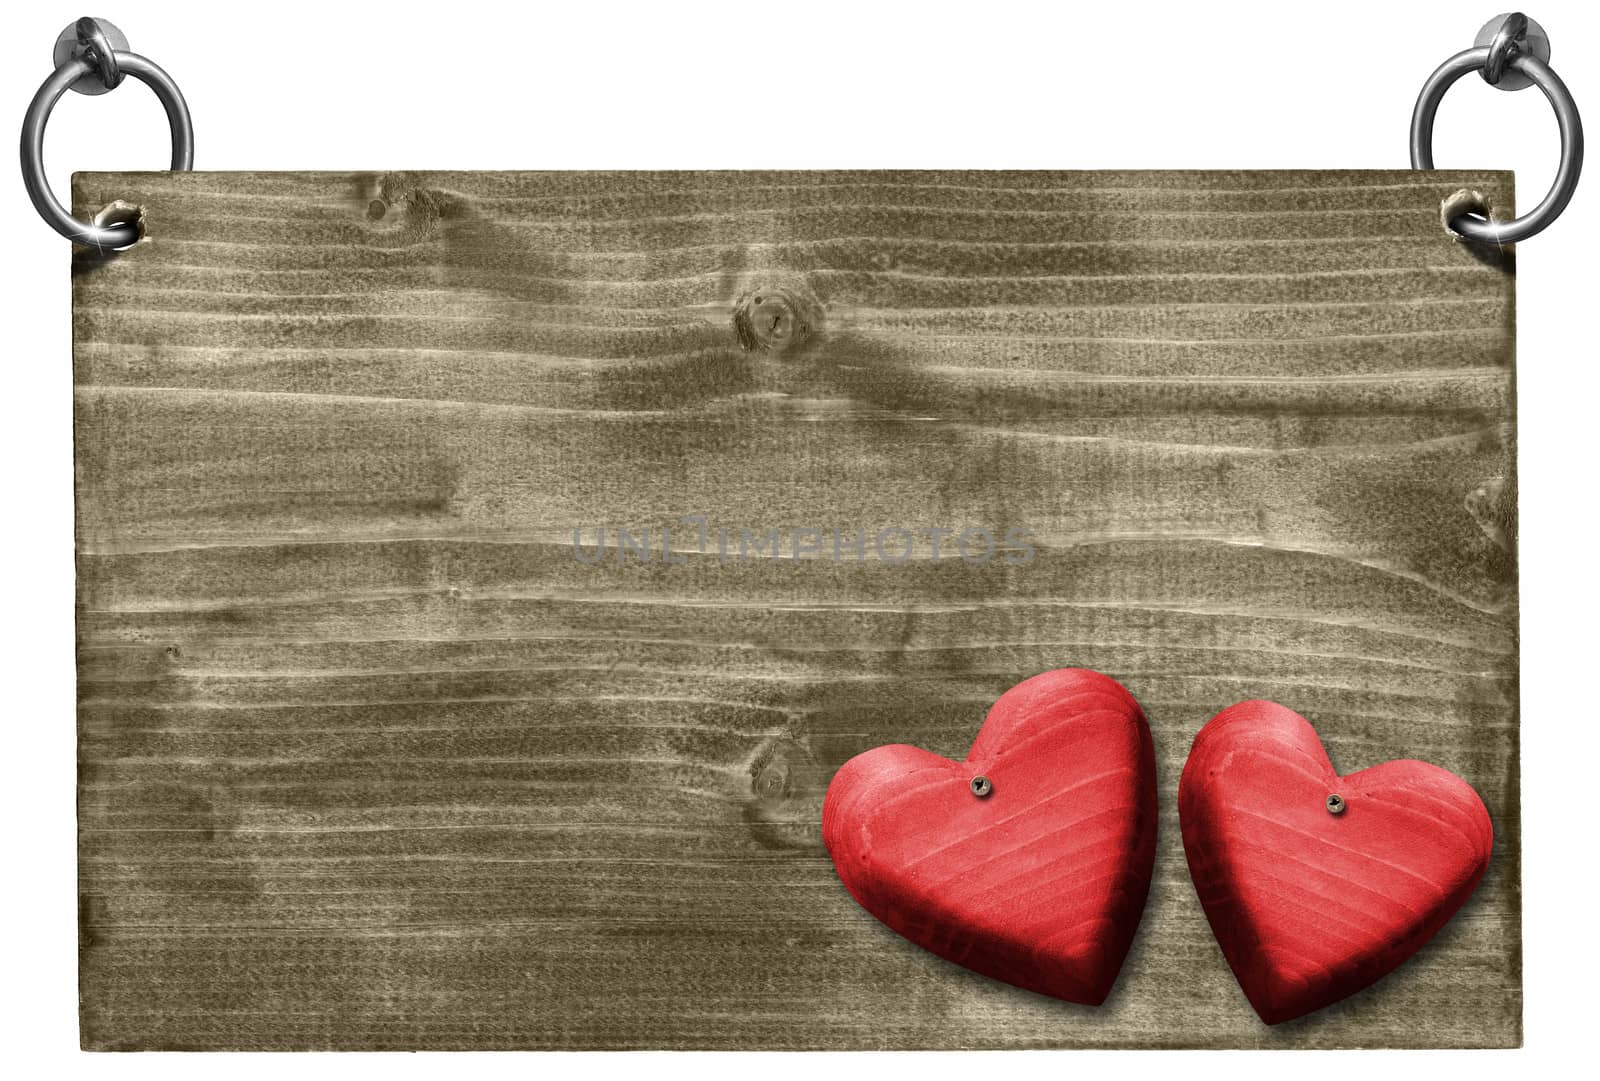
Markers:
point(810, 84)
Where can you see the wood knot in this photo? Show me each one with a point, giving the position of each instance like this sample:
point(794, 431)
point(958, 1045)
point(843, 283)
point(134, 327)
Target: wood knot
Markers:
point(772, 783)
point(1493, 506)
point(400, 208)
point(775, 318)
point(786, 789)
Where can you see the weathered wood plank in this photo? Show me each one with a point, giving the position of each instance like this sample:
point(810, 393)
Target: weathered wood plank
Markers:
point(369, 759)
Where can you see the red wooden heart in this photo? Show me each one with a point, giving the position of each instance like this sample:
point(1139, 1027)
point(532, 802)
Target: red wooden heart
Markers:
point(1040, 881)
point(1310, 905)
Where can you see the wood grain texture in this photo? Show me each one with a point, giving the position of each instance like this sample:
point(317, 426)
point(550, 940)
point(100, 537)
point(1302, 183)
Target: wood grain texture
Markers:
point(369, 759)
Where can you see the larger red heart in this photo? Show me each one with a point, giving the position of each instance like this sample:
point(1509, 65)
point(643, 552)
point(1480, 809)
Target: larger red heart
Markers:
point(1029, 861)
point(1318, 885)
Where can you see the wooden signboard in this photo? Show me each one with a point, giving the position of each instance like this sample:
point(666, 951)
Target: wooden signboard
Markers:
point(481, 575)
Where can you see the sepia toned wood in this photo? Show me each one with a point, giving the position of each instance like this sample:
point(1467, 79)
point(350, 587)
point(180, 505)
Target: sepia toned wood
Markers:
point(372, 757)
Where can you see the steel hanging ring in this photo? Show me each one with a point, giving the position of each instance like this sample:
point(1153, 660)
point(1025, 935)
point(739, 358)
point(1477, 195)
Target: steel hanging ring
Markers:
point(1472, 226)
point(100, 237)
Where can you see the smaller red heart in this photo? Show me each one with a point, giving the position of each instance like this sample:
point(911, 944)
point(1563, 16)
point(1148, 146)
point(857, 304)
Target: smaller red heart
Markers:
point(1028, 862)
point(1318, 885)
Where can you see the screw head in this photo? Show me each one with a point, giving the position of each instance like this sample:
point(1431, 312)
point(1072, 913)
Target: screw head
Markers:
point(1533, 41)
point(68, 47)
point(1335, 804)
point(981, 787)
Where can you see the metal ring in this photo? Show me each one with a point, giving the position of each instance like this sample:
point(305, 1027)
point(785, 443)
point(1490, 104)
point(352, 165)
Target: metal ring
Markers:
point(1504, 46)
point(1566, 182)
point(98, 49)
point(99, 237)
